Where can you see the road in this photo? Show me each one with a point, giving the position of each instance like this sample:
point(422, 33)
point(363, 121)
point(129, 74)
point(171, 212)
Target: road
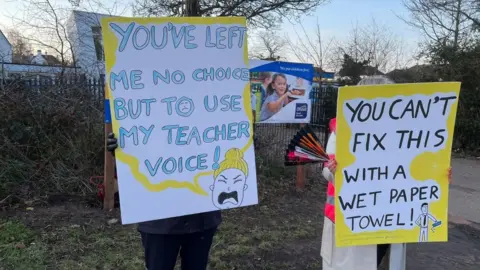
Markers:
point(462, 251)
point(465, 191)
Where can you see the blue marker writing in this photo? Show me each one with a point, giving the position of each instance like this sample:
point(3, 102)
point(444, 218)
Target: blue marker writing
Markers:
point(216, 157)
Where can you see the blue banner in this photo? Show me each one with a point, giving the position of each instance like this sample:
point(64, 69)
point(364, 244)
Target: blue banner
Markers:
point(108, 116)
point(281, 91)
point(304, 71)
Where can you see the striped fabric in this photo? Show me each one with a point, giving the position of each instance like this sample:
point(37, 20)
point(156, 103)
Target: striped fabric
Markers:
point(330, 204)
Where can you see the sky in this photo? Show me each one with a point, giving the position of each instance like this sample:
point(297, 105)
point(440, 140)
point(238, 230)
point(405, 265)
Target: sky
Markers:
point(336, 19)
point(340, 15)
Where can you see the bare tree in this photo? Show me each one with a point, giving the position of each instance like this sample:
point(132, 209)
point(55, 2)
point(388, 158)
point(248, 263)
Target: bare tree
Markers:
point(268, 45)
point(451, 31)
point(470, 9)
point(111, 7)
point(402, 57)
point(45, 25)
point(21, 48)
point(259, 13)
point(446, 22)
point(311, 47)
point(372, 44)
point(382, 46)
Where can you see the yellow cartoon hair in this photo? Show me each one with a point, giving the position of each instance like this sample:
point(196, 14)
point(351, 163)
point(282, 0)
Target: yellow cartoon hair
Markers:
point(233, 160)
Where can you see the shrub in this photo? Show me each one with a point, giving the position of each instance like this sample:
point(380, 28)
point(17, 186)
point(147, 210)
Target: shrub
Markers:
point(51, 138)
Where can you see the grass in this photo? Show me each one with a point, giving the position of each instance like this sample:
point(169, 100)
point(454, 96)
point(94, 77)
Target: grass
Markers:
point(68, 247)
point(283, 232)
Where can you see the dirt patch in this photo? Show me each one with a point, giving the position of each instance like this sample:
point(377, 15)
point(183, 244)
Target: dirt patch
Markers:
point(281, 233)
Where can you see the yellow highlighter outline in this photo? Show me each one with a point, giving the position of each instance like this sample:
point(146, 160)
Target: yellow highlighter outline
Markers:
point(111, 43)
point(427, 165)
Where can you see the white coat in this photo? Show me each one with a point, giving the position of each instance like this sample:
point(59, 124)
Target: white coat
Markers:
point(356, 257)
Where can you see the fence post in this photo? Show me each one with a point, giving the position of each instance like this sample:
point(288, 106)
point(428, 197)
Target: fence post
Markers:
point(300, 183)
point(109, 167)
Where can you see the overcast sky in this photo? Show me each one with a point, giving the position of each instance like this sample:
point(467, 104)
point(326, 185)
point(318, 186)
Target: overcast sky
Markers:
point(336, 19)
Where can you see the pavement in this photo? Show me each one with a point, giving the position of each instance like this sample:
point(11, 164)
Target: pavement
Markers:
point(462, 251)
point(465, 190)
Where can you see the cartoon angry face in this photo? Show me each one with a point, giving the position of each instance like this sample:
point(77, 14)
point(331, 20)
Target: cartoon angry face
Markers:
point(228, 189)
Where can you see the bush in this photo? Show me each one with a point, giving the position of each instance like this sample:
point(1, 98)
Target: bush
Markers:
point(51, 139)
point(467, 125)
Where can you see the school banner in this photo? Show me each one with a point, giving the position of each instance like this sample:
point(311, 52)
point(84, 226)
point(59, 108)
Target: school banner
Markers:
point(281, 91)
point(393, 152)
point(180, 104)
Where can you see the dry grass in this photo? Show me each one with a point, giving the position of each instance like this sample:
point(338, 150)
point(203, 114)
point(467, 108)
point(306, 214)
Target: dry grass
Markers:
point(51, 140)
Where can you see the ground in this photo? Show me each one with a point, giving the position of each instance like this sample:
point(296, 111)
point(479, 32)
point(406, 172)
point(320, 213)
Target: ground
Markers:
point(283, 232)
point(463, 248)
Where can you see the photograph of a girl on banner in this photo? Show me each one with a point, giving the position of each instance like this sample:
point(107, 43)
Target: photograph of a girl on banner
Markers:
point(282, 91)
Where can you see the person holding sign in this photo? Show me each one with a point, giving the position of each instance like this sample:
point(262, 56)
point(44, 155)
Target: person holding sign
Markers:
point(366, 257)
point(184, 126)
point(190, 235)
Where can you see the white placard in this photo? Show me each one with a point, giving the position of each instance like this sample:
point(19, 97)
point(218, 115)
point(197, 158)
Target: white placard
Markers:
point(180, 104)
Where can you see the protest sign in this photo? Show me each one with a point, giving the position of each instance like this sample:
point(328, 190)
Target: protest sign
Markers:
point(180, 104)
point(282, 91)
point(393, 152)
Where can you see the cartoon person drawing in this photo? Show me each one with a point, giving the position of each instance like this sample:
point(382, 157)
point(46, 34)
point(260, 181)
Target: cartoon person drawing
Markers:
point(230, 180)
point(423, 221)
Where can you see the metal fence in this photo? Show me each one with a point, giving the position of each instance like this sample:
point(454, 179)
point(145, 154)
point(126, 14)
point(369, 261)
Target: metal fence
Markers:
point(271, 140)
point(91, 88)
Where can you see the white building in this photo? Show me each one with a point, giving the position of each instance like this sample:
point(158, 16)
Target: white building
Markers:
point(39, 59)
point(85, 33)
point(6, 52)
point(38, 66)
point(13, 71)
point(33, 66)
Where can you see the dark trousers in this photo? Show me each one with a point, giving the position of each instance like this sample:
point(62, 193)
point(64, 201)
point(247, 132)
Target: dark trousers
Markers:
point(381, 252)
point(161, 250)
